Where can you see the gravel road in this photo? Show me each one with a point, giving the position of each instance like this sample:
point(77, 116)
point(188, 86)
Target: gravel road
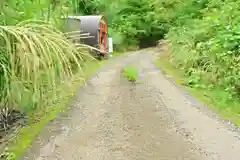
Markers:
point(113, 119)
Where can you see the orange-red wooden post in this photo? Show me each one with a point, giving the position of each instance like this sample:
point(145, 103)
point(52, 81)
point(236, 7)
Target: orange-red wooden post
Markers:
point(105, 38)
point(100, 35)
point(103, 35)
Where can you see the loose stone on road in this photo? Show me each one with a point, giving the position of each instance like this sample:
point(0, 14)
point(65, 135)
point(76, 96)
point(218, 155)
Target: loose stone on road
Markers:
point(113, 119)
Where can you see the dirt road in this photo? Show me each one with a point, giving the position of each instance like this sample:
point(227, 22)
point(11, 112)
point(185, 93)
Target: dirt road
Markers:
point(112, 119)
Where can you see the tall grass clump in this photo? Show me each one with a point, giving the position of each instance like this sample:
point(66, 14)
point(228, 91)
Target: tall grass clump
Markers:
point(35, 59)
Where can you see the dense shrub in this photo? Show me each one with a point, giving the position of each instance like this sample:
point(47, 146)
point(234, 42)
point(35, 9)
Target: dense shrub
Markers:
point(206, 45)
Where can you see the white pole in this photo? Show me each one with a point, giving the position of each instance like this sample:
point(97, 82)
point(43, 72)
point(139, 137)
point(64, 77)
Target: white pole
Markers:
point(110, 45)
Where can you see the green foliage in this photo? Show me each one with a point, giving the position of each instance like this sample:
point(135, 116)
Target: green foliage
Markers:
point(213, 97)
point(137, 20)
point(35, 58)
point(8, 156)
point(65, 93)
point(129, 21)
point(206, 43)
point(130, 72)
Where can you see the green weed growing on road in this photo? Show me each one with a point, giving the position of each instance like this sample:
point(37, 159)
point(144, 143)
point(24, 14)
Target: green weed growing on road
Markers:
point(130, 72)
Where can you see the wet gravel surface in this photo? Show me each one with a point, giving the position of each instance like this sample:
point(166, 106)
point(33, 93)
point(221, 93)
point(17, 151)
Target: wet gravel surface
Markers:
point(113, 119)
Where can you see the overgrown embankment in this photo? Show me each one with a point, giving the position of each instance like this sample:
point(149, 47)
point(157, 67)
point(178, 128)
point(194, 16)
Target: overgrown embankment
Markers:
point(207, 45)
point(204, 50)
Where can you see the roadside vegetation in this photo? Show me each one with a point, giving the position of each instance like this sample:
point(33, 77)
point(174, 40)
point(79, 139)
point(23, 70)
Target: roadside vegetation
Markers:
point(216, 98)
point(204, 47)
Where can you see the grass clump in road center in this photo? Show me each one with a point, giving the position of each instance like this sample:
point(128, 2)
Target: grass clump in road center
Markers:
point(130, 72)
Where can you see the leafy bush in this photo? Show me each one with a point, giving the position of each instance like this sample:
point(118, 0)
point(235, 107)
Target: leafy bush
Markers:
point(207, 45)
